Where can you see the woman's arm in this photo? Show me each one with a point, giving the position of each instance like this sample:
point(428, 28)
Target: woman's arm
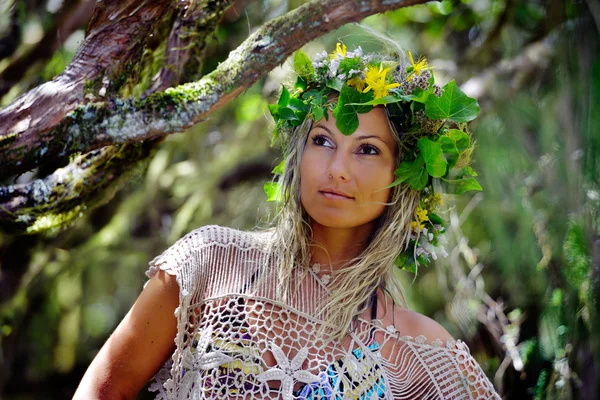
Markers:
point(138, 347)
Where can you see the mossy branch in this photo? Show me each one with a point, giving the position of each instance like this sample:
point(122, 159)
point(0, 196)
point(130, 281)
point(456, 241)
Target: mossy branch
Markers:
point(60, 198)
point(123, 123)
point(95, 125)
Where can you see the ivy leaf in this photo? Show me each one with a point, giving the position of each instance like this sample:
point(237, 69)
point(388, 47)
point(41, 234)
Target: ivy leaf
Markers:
point(284, 99)
point(434, 157)
point(298, 105)
point(462, 139)
point(273, 191)
point(419, 180)
point(278, 170)
point(346, 113)
point(450, 151)
point(464, 185)
point(335, 84)
point(406, 262)
point(418, 95)
point(379, 101)
point(435, 219)
point(274, 110)
point(454, 105)
point(303, 66)
point(287, 113)
point(317, 113)
point(468, 171)
point(410, 172)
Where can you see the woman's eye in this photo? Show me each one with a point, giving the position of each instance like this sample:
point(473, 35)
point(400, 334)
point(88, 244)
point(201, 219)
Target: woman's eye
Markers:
point(321, 141)
point(369, 150)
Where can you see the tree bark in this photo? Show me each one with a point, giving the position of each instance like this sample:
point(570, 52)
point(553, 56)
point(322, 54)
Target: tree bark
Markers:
point(29, 141)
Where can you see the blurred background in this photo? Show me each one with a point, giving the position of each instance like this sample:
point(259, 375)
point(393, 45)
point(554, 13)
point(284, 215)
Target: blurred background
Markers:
point(522, 281)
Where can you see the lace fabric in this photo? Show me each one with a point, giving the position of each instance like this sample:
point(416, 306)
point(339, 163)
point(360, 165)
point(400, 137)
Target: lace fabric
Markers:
point(236, 340)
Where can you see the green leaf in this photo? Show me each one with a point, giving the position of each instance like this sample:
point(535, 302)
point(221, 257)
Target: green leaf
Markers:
point(287, 113)
point(273, 191)
point(335, 84)
point(284, 99)
point(435, 219)
point(419, 180)
point(274, 110)
point(278, 170)
point(375, 102)
point(300, 85)
point(298, 105)
point(453, 105)
point(406, 262)
point(464, 185)
point(413, 173)
point(434, 158)
point(317, 113)
point(462, 139)
point(418, 95)
point(467, 171)
point(345, 113)
point(450, 151)
point(303, 66)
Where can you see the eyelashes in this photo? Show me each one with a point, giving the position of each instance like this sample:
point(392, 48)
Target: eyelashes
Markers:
point(366, 148)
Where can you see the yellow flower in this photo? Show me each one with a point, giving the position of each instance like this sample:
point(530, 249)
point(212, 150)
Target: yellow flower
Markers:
point(414, 225)
point(438, 199)
point(375, 79)
point(418, 67)
point(422, 214)
point(340, 49)
point(357, 83)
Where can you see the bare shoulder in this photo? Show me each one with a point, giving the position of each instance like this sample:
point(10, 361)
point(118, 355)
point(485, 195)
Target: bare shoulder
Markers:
point(413, 324)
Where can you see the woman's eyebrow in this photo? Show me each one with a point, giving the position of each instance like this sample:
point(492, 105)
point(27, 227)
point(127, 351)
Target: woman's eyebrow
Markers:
point(362, 137)
point(324, 128)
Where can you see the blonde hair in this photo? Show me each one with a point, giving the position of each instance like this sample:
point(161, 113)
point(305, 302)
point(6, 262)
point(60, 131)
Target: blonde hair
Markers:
point(354, 283)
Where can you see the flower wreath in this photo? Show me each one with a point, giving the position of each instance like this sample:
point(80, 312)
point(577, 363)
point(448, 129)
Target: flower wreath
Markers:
point(431, 121)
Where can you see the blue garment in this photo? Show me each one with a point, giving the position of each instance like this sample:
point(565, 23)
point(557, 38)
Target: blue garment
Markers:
point(330, 379)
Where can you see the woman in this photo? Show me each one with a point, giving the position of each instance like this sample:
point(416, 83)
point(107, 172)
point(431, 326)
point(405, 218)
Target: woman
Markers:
point(311, 309)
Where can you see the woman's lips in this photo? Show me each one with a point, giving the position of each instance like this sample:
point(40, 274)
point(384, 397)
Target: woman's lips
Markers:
point(335, 196)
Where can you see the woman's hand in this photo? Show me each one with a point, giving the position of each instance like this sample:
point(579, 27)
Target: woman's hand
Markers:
point(139, 346)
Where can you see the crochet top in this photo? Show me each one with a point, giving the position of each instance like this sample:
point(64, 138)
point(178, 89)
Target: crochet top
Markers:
point(236, 340)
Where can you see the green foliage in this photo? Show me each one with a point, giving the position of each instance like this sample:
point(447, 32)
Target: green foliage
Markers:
point(303, 66)
point(576, 250)
point(453, 105)
point(347, 110)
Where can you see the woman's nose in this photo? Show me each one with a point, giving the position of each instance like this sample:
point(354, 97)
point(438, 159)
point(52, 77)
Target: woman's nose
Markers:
point(339, 168)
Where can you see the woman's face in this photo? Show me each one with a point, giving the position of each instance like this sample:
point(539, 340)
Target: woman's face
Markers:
point(342, 177)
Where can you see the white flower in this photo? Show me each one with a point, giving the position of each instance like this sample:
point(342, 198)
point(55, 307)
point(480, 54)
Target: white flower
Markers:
point(325, 279)
point(358, 52)
point(443, 252)
point(287, 372)
point(196, 359)
point(354, 72)
point(333, 66)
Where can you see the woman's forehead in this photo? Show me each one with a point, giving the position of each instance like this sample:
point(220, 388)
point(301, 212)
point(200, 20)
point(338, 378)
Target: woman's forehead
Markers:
point(373, 123)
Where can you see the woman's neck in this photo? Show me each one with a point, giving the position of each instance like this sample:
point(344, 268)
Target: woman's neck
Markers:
point(334, 247)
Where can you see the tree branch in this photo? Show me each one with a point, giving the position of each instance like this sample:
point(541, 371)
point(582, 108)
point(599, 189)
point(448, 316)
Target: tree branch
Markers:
point(116, 121)
point(196, 22)
point(57, 199)
point(95, 125)
point(117, 32)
